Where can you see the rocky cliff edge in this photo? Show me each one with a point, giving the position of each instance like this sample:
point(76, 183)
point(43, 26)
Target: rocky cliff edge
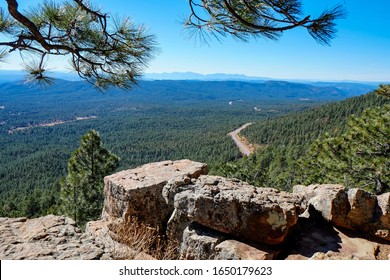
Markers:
point(211, 217)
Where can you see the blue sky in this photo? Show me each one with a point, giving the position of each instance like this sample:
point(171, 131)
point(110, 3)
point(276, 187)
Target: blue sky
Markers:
point(360, 52)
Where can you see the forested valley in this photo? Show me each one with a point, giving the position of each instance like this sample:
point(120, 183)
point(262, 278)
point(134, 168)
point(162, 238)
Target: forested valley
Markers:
point(295, 148)
point(160, 120)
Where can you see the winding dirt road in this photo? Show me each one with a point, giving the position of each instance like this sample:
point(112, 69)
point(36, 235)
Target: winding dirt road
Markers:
point(240, 141)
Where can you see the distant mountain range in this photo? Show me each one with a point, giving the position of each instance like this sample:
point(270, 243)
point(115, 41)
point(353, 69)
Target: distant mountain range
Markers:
point(10, 75)
point(16, 75)
point(202, 77)
point(346, 88)
point(241, 77)
point(196, 90)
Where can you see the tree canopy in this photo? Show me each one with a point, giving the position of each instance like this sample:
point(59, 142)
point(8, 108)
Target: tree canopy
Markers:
point(108, 51)
point(384, 91)
point(357, 158)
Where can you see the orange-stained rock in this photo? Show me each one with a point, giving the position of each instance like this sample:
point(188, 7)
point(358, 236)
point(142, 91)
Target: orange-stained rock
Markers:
point(236, 250)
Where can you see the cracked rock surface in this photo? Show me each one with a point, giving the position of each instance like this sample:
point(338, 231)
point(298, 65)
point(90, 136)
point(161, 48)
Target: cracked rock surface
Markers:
point(45, 238)
point(233, 207)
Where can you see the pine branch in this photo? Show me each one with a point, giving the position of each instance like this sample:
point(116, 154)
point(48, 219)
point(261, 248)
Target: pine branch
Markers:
point(259, 18)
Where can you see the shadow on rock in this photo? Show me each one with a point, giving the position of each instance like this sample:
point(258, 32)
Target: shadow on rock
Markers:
point(313, 235)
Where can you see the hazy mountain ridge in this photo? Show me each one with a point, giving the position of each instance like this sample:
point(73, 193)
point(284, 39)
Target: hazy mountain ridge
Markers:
point(176, 90)
point(352, 87)
point(204, 77)
point(242, 77)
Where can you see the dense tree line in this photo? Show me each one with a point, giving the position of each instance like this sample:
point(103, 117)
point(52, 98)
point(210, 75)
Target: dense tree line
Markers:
point(360, 157)
point(290, 153)
point(307, 126)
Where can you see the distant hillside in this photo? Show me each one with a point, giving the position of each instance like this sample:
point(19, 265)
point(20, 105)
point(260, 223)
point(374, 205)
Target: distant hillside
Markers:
point(284, 140)
point(348, 86)
point(189, 90)
point(261, 87)
point(7, 76)
point(302, 127)
point(202, 77)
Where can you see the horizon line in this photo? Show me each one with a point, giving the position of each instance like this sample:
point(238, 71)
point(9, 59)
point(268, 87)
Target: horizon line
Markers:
point(245, 77)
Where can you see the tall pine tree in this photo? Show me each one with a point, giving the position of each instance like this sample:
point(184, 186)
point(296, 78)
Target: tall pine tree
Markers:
point(82, 189)
point(358, 158)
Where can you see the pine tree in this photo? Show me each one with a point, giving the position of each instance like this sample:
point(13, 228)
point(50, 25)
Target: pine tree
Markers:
point(384, 91)
point(358, 158)
point(82, 189)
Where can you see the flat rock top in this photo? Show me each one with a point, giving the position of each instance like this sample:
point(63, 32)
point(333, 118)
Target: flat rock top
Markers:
point(45, 238)
point(318, 189)
point(157, 173)
point(219, 188)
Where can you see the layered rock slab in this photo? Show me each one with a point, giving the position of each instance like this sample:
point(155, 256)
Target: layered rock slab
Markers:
point(137, 192)
point(236, 208)
point(45, 238)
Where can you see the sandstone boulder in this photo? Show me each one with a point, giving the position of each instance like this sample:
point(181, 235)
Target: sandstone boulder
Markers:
point(138, 192)
point(362, 209)
point(45, 238)
point(352, 209)
point(330, 200)
point(241, 210)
